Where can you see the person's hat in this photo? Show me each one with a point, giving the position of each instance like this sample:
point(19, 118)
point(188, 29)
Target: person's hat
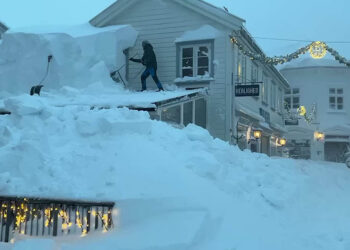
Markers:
point(144, 42)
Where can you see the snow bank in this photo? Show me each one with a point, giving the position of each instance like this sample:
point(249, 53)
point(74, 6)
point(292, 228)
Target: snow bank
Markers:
point(174, 189)
point(82, 56)
point(205, 32)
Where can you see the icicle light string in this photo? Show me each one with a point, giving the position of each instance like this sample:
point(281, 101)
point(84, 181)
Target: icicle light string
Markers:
point(316, 49)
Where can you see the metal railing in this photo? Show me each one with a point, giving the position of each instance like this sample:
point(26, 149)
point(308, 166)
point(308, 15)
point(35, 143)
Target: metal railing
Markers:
point(46, 217)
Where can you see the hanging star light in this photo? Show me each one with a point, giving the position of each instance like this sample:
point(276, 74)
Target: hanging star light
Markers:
point(318, 50)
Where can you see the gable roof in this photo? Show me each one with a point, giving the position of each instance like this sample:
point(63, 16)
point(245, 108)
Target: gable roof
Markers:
point(200, 6)
point(3, 27)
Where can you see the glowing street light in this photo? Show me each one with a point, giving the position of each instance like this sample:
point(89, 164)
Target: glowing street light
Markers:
point(283, 142)
point(257, 134)
point(319, 136)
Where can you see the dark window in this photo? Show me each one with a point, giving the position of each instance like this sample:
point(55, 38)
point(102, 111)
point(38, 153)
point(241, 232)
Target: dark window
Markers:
point(188, 113)
point(201, 113)
point(187, 62)
point(172, 114)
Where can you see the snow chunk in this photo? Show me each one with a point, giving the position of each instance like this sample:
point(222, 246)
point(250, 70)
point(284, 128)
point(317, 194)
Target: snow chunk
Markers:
point(24, 105)
point(203, 33)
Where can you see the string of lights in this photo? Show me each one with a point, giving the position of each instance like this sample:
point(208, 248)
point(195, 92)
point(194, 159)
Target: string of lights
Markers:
point(316, 49)
point(295, 40)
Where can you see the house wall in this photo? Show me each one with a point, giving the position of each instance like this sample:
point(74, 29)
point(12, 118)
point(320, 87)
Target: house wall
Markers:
point(252, 105)
point(314, 84)
point(161, 22)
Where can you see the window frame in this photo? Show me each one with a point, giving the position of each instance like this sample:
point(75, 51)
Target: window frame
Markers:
point(182, 112)
point(291, 94)
point(265, 89)
point(336, 95)
point(195, 46)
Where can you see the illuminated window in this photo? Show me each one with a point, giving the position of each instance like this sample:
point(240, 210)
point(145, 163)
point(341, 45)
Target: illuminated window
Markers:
point(336, 99)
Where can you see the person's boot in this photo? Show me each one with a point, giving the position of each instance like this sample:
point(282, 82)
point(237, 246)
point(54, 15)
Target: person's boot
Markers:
point(160, 89)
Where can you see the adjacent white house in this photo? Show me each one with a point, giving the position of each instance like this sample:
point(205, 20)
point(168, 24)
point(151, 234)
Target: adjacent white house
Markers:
point(322, 85)
point(3, 29)
point(192, 41)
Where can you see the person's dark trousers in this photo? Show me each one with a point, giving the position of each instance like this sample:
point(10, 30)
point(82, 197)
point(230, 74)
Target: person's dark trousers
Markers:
point(153, 73)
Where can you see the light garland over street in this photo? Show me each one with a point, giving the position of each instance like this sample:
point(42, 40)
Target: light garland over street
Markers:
point(316, 49)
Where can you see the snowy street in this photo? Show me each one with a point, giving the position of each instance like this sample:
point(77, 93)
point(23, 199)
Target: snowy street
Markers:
point(221, 152)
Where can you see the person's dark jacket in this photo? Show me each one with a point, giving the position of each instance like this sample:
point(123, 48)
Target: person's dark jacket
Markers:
point(149, 58)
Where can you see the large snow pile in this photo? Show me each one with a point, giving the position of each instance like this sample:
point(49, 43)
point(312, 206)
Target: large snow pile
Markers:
point(82, 55)
point(174, 189)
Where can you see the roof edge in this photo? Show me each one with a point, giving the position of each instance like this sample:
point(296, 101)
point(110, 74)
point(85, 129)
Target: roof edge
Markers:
point(3, 26)
point(231, 21)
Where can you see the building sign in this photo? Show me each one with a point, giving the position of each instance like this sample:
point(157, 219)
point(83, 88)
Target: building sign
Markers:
point(291, 122)
point(265, 114)
point(247, 90)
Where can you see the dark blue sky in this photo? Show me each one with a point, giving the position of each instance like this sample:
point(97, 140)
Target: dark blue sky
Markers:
point(298, 19)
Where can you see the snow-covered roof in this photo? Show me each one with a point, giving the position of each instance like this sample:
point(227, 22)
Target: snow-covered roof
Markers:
point(205, 32)
point(82, 30)
point(97, 96)
point(306, 61)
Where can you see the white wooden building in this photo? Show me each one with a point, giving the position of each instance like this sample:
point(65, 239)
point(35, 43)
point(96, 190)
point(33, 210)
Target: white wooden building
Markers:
point(324, 84)
point(191, 39)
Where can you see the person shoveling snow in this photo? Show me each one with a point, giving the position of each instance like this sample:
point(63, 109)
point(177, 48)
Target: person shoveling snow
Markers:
point(150, 61)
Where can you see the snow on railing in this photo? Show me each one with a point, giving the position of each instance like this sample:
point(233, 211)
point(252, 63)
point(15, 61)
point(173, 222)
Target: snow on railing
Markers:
point(45, 217)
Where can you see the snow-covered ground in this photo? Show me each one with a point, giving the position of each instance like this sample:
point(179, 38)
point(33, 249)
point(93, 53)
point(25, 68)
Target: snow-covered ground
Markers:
point(174, 188)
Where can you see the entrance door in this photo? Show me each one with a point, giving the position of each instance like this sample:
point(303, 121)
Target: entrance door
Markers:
point(335, 151)
point(265, 145)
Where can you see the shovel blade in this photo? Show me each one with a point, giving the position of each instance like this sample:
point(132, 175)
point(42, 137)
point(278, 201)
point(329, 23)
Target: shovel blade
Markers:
point(36, 89)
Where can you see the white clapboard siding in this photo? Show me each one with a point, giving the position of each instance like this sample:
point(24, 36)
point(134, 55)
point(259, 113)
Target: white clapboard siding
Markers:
point(161, 22)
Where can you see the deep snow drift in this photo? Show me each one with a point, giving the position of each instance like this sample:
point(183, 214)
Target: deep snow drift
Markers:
point(174, 189)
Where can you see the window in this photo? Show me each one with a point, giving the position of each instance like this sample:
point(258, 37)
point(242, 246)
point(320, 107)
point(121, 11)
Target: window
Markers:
point(336, 99)
point(265, 89)
point(172, 115)
point(280, 100)
point(185, 113)
point(292, 98)
point(201, 113)
point(273, 95)
point(254, 73)
point(239, 67)
point(188, 113)
point(244, 69)
point(195, 60)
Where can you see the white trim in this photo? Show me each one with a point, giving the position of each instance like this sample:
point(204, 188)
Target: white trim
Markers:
point(195, 48)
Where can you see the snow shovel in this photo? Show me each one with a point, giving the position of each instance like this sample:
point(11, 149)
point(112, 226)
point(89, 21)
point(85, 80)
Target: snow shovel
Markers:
point(117, 72)
point(37, 88)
